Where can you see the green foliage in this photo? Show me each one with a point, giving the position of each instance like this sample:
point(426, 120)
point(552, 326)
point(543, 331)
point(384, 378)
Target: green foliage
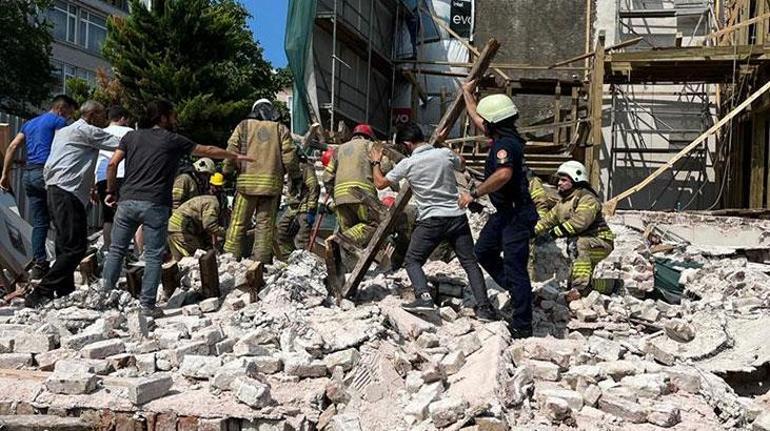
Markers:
point(79, 89)
point(283, 78)
point(198, 54)
point(25, 71)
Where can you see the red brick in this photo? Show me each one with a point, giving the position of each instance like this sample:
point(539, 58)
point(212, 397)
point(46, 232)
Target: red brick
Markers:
point(165, 422)
point(187, 423)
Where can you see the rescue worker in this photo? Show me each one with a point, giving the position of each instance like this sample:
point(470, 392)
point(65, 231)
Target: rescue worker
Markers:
point(543, 203)
point(192, 181)
point(348, 169)
point(260, 183)
point(510, 228)
point(196, 224)
point(578, 217)
point(297, 221)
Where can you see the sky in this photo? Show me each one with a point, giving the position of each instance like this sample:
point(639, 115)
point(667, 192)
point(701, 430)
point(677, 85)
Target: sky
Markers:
point(268, 23)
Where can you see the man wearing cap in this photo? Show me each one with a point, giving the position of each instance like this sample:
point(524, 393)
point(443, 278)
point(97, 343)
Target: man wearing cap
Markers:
point(196, 224)
point(510, 228)
point(349, 169)
point(260, 183)
point(578, 217)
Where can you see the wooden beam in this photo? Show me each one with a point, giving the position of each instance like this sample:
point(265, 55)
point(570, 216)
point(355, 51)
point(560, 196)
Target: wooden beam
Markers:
point(255, 280)
point(611, 205)
point(416, 84)
point(596, 98)
point(587, 55)
point(393, 216)
point(209, 274)
point(170, 278)
point(557, 115)
point(757, 165)
point(134, 280)
point(740, 25)
point(89, 269)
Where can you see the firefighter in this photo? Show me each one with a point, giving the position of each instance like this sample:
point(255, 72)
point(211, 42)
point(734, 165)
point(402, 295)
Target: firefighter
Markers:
point(297, 221)
point(578, 217)
point(192, 181)
point(543, 203)
point(348, 169)
point(259, 184)
point(196, 224)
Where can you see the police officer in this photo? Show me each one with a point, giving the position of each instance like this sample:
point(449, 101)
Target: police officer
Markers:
point(578, 216)
point(510, 228)
point(260, 183)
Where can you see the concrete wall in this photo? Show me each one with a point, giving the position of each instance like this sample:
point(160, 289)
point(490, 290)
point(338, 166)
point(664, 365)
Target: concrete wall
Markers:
point(536, 32)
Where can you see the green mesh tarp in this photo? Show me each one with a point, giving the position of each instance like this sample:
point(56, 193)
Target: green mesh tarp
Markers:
point(667, 272)
point(299, 34)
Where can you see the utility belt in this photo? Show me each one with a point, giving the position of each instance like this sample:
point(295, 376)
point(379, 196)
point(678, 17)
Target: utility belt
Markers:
point(33, 166)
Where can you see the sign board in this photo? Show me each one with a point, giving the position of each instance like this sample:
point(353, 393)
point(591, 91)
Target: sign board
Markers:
point(461, 18)
point(401, 116)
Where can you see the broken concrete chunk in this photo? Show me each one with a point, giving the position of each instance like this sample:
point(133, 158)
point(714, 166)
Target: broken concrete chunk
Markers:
point(591, 395)
point(427, 340)
point(78, 341)
point(6, 344)
point(256, 343)
point(102, 349)
point(418, 406)
point(145, 363)
point(71, 383)
point(684, 378)
point(618, 369)
point(145, 389)
point(664, 415)
point(586, 315)
point(762, 423)
point(346, 359)
point(302, 366)
point(190, 348)
point(267, 364)
point(209, 305)
point(137, 323)
point(252, 392)
point(448, 314)
point(557, 409)
point(543, 370)
point(623, 409)
point(200, 367)
point(48, 360)
point(447, 411)
point(34, 342)
point(646, 385)
point(573, 398)
point(345, 422)
point(453, 362)
point(226, 375)
point(15, 361)
point(211, 335)
point(407, 324)
point(679, 330)
point(414, 381)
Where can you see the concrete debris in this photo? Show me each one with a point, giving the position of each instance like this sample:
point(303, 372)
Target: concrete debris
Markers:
point(293, 359)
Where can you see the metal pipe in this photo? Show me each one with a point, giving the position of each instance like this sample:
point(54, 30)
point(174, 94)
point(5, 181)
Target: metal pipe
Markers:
point(369, 59)
point(334, 68)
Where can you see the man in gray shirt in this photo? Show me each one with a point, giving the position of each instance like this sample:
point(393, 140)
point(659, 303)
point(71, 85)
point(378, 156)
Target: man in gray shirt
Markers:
point(69, 176)
point(431, 174)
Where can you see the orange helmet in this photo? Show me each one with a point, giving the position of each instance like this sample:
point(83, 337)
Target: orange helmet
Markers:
point(326, 156)
point(364, 129)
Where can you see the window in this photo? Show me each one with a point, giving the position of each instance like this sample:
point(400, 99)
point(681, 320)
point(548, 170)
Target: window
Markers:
point(61, 72)
point(77, 26)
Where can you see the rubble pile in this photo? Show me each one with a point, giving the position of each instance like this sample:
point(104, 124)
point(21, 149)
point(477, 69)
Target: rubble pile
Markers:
point(294, 359)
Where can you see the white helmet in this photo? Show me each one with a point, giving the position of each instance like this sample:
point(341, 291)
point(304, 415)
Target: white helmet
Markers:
point(259, 102)
point(496, 108)
point(205, 166)
point(575, 170)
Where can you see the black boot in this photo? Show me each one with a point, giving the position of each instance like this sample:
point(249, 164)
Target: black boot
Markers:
point(37, 298)
point(423, 304)
point(39, 270)
point(519, 333)
point(487, 313)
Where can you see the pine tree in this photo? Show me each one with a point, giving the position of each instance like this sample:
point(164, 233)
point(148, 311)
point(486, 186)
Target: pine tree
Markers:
point(25, 71)
point(199, 54)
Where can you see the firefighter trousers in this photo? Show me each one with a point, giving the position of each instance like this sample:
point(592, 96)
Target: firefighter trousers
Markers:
point(244, 207)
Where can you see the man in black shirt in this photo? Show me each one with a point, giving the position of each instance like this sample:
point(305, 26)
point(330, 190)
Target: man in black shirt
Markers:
point(152, 154)
point(511, 227)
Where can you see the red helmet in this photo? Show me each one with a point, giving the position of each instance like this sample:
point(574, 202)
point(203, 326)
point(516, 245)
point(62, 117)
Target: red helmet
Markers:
point(364, 129)
point(388, 201)
point(326, 156)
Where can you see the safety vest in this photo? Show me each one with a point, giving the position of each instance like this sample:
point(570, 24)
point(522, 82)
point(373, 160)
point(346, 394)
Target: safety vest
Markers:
point(262, 141)
point(353, 171)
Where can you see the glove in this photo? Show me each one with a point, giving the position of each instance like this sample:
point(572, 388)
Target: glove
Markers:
point(310, 218)
point(543, 238)
point(559, 231)
point(295, 187)
point(293, 229)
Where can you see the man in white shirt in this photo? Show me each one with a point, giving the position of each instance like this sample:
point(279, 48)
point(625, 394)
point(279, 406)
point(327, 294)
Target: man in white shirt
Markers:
point(69, 176)
point(119, 121)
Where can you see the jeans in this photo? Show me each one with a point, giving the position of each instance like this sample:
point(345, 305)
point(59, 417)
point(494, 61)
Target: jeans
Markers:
point(431, 232)
point(509, 231)
point(34, 187)
point(154, 219)
point(70, 223)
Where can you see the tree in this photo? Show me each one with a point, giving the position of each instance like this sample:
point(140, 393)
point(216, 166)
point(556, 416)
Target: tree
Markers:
point(79, 89)
point(25, 70)
point(199, 54)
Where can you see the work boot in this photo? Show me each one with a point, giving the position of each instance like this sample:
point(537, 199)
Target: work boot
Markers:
point(487, 313)
point(422, 304)
point(37, 298)
point(39, 270)
point(519, 333)
point(153, 312)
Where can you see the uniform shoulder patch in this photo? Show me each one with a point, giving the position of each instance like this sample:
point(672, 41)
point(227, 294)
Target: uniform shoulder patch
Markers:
point(502, 156)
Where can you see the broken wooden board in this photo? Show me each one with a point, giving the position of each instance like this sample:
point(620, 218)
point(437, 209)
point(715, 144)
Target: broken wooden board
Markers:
point(392, 218)
point(170, 278)
point(255, 280)
point(209, 274)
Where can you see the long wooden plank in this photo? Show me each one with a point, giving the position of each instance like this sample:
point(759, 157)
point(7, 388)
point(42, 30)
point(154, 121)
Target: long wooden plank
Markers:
point(623, 44)
point(611, 205)
point(740, 25)
point(392, 218)
point(596, 98)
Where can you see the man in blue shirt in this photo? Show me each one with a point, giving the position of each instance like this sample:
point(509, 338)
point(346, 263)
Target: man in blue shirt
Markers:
point(510, 228)
point(37, 135)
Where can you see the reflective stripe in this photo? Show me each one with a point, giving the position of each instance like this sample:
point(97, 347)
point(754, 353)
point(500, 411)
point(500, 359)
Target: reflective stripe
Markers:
point(568, 226)
point(176, 220)
point(606, 235)
point(537, 193)
point(344, 188)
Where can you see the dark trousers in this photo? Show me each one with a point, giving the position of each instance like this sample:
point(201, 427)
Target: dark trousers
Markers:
point(34, 188)
point(509, 231)
point(70, 222)
point(431, 232)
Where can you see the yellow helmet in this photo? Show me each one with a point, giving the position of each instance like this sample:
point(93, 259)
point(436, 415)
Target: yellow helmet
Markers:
point(217, 179)
point(496, 108)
